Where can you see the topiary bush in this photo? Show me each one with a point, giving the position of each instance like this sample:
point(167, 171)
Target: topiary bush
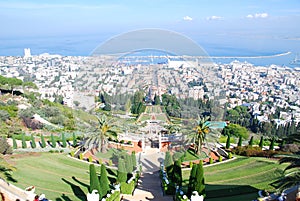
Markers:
point(24, 145)
point(104, 182)
point(15, 145)
point(63, 140)
point(53, 142)
point(43, 143)
point(220, 158)
point(74, 140)
point(211, 160)
point(33, 144)
point(122, 174)
point(94, 181)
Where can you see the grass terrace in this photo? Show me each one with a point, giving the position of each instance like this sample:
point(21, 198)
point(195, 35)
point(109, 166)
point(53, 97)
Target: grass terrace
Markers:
point(239, 179)
point(56, 175)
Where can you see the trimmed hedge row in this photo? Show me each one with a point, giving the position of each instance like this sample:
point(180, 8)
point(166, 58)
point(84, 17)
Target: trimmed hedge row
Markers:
point(255, 152)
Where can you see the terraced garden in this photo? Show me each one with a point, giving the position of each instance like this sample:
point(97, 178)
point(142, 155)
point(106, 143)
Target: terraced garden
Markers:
point(57, 176)
point(63, 178)
point(240, 179)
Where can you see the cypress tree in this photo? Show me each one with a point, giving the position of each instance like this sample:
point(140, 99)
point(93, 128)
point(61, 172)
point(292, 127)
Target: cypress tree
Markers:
point(272, 144)
point(228, 142)
point(251, 141)
point(94, 181)
point(53, 142)
point(24, 145)
point(63, 140)
point(177, 173)
point(74, 140)
point(192, 179)
point(104, 182)
point(15, 145)
point(200, 184)
point(128, 163)
point(261, 142)
point(33, 145)
point(240, 141)
point(43, 143)
point(169, 164)
point(122, 174)
point(133, 158)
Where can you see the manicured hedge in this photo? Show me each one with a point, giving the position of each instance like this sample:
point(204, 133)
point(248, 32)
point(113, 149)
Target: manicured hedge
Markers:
point(127, 188)
point(254, 151)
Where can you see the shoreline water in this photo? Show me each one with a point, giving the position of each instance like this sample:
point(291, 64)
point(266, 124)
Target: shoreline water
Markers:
point(220, 53)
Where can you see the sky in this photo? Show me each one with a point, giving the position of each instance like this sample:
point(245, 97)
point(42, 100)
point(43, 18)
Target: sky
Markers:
point(202, 20)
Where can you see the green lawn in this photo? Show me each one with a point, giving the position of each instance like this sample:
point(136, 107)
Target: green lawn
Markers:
point(240, 179)
point(57, 176)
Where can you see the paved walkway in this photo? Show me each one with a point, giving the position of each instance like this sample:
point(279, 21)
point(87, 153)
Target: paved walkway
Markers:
point(149, 186)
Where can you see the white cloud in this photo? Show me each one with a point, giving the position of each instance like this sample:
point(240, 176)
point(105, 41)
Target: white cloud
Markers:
point(187, 18)
point(214, 18)
point(258, 15)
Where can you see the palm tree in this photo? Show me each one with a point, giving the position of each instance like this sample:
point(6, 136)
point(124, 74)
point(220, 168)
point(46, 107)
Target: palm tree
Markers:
point(98, 138)
point(291, 175)
point(202, 129)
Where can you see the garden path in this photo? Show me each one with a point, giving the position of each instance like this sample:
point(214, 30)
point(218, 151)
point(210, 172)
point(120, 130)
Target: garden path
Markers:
point(149, 185)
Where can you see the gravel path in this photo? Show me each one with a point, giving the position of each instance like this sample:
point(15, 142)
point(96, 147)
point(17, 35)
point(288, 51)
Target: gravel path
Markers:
point(149, 186)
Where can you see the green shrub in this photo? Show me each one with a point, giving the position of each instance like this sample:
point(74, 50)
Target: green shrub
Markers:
point(271, 147)
point(100, 161)
point(211, 160)
point(104, 182)
point(33, 144)
point(122, 174)
point(74, 140)
point(53, 142)
point(15, 145)
point(90, 159)
point(220, 158)
point(133, 158)
point(254, 152)
point(229, 155)
point(24, 145)
point(261, 142)
point(199, 183)
point(110, 163)
point(72, 153)
point(43, 143)
point(128, 163)
point(63, 140)
point(192, 180)
point(115, 196)
point(177, 173)
point(191, 164)
point(81, 156)
point(228, 142)
point(240, 141)
point(127, 188)
point(251, 141)
point(94, 181)
point(169, 164)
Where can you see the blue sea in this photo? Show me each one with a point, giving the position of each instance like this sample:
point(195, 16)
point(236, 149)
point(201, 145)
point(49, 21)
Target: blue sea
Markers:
point(83, 45)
